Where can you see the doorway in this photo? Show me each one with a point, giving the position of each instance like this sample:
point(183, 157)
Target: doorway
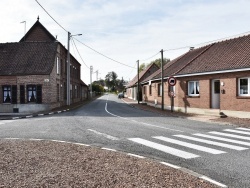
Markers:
point(215, 94)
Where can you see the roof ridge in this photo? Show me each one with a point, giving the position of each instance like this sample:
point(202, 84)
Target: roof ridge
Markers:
point(208, 46)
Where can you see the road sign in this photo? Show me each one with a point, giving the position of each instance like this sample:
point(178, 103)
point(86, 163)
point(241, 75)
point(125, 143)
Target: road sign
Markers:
point(172, 81)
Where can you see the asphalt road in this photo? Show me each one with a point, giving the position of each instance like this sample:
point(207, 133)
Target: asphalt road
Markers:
point(218, 151)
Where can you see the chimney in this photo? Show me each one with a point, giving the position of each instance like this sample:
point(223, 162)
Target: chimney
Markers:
point(191, 48)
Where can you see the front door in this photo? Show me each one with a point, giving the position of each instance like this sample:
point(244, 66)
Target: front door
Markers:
point(216, 94)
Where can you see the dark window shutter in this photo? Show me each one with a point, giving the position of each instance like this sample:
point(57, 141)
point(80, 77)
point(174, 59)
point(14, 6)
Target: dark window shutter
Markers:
point(14, 94)
point(39, 94)
point(22, 94)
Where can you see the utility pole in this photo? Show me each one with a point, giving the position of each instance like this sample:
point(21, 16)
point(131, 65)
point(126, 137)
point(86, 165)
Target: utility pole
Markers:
point(68, 68)
point(162, 84)
point(97, 75)
point(138, 81)
point(68, 71)
point(91, 72)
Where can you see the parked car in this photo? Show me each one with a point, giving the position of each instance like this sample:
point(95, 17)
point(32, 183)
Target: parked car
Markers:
point(120, 95)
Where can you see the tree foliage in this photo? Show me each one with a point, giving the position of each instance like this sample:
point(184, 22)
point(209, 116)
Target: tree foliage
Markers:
point(156, 61)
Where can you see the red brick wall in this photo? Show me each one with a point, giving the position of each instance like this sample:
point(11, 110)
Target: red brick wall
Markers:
point(228, 101)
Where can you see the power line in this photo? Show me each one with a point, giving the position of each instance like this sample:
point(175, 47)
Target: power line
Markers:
point(150, 57)
point(208, 42)
point(51, 16)
point(103, 54)
point(79, 53)
point(80, 41)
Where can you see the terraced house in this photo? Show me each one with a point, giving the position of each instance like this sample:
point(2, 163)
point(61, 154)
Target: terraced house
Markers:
point(210, 79)
point(33, 73)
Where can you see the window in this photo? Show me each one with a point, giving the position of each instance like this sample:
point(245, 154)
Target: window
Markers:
point(6, 94)
point(145, 90)
point(57, 65)
point(22, 94)
point(159, 90)
point(193, 88)
point(10, 94)
point(34, 93)
point(244, 89)
point(150, 89)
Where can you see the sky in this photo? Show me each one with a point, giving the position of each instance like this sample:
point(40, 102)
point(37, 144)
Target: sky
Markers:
point(127, 30)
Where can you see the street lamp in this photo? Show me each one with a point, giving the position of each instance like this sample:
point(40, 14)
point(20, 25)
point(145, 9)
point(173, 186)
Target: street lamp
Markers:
point(68, 67)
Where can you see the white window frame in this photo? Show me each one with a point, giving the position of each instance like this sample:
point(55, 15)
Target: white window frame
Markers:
point(248, 86)
point(195, 85)
point(57, 66)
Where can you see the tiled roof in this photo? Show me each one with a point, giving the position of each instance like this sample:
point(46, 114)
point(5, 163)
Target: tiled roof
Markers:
point(27, 58)
point(225, 55)
point(141, 74)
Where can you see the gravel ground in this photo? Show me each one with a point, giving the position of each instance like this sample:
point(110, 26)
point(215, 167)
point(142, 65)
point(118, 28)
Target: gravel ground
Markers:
point(43, 163)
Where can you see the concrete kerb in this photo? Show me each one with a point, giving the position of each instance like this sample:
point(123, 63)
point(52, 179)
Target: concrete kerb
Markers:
point(13, 117)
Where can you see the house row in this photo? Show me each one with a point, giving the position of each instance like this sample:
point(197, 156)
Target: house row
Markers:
point(33, 73)
point(213, 79)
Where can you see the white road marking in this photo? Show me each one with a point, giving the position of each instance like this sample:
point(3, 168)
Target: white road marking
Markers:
point(189, 145)
point(147, 124)
point(245, 129)
point(166, 149)
point(213, 181)
point(171, 165)
point(224, 139)
point(134, 155)
point(104, 135)
point(230, 135)
point(108, 149)
point(235, 131)
point(212, 142)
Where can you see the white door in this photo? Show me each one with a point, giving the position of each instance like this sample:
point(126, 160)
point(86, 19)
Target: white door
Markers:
point(216, 94)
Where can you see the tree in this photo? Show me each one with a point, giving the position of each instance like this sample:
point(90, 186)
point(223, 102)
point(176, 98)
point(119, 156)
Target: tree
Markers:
point(111, 80)
point(97, 88)
point(158, 62)
point(142, 67)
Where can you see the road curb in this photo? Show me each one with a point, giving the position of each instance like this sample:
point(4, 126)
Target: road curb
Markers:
point(184, 170)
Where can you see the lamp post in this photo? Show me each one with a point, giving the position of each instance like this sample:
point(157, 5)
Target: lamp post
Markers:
point(68, 67)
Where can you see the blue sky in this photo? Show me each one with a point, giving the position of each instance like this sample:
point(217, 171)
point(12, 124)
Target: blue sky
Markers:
point(127, 30)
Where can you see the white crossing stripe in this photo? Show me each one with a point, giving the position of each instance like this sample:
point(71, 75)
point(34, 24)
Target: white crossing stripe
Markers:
point(166, 149)
point(235, 131)
point(224, 139)
point(189, 145)
point(245, 129)
point(212, 142)
point(230, 135)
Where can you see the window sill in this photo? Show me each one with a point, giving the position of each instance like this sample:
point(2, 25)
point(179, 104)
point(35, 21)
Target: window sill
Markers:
point(243, 97)
point(192, 96)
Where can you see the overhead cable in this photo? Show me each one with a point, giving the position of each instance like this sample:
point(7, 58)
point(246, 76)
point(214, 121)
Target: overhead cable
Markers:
point(51, 16)
point(79, 53)
point(104, 55)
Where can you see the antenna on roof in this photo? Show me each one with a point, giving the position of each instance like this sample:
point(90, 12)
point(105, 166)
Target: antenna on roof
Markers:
point(38, 18)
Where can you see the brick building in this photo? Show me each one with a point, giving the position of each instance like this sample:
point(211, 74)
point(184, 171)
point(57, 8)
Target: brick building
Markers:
point(33, 73)
point(210, 79)
point(131, 88)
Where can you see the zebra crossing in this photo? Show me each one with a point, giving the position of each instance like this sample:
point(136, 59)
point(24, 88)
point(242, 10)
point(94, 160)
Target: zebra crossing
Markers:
point(226, 140)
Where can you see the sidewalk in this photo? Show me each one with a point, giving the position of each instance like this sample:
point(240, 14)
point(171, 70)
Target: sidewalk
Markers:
point(242, 122)
point(10, 116)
